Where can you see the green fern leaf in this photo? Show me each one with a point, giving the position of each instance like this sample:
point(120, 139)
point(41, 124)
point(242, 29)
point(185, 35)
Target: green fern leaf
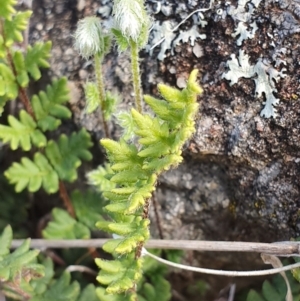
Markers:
point(111, 102)
point(60, 290)
point(34, 174)
point(49, 106)
point(13, 28)
point(63, 226)
point(130, 176)
point(118, 207)
point(91, 96)
point(104, 296)
point(66, 155)
point(123, 277)
point(3, 101)
point(88, 294)
point(7, 8)
point(254, 296)
point(40, 285)
point(98, 178)
point(19, 63)
point(8, 85)
point(18, 268)
point(158, 289)
point(5, 241)
point(125, 120)
point(22, 132)
point(87, 208)
point(270, 292)
point(121, 40)
point(36, 57)
point(2, 47)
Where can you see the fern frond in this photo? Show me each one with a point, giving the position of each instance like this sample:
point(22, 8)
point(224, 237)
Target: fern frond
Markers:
point(22, 132)
point(5, 241)
point(61, 289)
point(49, 289)
point(2, 47)
point(98, 178)
point(13, 28)
point(63, 226)
point(88, 294)
point(66, 154)
point(49, 106)
point(3, 101)
point(19, 63)
point(8, 85)
point(87, 207)
point(18, 268)
point(36, 58)
point(91, 93)
point(34, 174)
point(120, 275)
point(7, 9)
point(135, 171)
point(104, 296)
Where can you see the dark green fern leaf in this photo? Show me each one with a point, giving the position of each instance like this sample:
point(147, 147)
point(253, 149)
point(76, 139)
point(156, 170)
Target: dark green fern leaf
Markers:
point(13, 28)
point(33, 174)
point(63, 226)
point(49, 106)
point(19, 63)
point(36, 58)
point(87, 207)
point(18, 268)
point(22, 132)
point(60, 290)
point(66, 154)
point(8, 84)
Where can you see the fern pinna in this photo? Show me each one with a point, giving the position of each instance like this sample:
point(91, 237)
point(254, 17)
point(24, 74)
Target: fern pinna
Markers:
point(54, 161)
point(136, 168)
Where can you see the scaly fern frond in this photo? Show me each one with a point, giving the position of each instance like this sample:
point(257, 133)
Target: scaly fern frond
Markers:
point(34, 174)
point(7, 9)
point(49, 106)
point(98, 178)
point(22, 132)
point(135, 171)
point(67, 153)
point(119, 275)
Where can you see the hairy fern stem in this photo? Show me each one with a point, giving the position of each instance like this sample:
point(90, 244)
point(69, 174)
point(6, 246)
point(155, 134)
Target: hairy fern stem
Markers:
point(136, 77)
point(101, 91)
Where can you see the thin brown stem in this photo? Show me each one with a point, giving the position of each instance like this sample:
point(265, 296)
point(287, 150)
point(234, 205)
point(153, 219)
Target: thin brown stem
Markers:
point(22, 92)
point(66, 199)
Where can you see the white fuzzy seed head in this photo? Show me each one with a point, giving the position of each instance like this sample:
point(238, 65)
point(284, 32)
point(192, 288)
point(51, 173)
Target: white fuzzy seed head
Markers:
point(89, 39)
point(131, 18)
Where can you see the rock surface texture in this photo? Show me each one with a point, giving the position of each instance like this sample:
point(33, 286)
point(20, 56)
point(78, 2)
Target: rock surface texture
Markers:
point(240, 179)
